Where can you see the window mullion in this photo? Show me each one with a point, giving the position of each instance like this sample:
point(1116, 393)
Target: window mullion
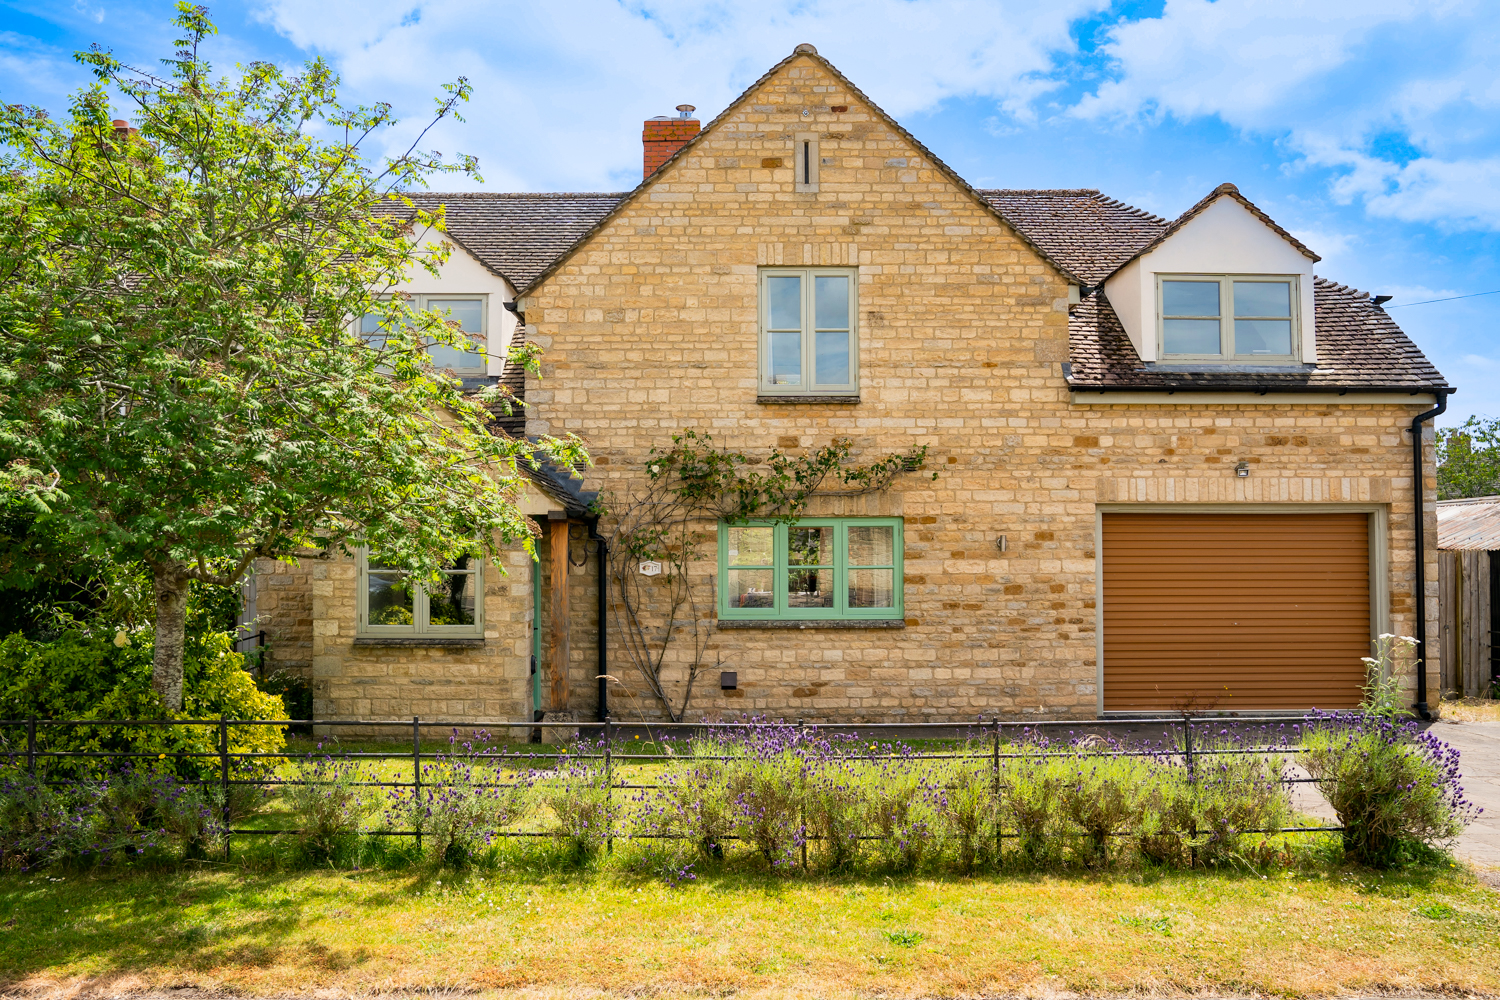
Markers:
point(419, 609)
point(1226, 316)
point(809, 331)
point(840, 567)
point(780, 560)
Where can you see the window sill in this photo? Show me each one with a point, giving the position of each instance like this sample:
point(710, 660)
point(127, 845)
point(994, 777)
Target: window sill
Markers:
point(819, 623)
point(462, 642)
point(808, 398)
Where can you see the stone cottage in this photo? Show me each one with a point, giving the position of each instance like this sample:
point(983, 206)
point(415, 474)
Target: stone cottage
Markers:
point(1163, 464)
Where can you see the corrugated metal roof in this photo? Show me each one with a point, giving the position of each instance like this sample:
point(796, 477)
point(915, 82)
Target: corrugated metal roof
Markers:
point(1469, 525)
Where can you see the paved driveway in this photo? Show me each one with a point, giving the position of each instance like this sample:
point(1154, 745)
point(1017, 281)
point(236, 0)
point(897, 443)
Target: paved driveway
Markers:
point(1479, 742)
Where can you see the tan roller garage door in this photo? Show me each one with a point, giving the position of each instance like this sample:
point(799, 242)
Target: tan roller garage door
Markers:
point(1235, 612)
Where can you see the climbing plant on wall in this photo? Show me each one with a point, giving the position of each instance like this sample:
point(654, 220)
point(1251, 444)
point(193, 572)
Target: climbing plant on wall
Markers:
point(693, 482)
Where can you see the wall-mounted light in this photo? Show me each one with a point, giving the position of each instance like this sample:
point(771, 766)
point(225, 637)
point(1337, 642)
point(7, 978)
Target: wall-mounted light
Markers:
point(729, 680)
point(1000, 543)
point(1242, 470)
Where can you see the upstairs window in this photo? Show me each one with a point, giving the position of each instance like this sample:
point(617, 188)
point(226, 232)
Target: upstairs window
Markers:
point(1229, 318)
point(808, 341)
point(391, 603)
point(468, 312)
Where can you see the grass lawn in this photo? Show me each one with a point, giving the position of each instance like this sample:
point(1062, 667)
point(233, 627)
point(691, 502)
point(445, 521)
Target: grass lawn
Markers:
point(218, 927)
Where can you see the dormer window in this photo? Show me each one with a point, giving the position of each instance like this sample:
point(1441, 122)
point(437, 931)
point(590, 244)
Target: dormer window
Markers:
point(1228, 318)
point(465, 311)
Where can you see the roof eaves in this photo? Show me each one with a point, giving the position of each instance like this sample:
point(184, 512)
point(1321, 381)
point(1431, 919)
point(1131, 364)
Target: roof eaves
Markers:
point(1225, 190)
point(811, 53)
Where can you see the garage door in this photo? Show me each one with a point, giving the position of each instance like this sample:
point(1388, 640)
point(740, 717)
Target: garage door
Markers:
point(1235, 612)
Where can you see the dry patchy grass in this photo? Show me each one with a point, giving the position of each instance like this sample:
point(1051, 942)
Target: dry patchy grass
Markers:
point(1470, 710)
point(228, 929)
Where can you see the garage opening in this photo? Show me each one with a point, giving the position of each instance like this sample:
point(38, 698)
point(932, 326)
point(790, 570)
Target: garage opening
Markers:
point(1235, 612)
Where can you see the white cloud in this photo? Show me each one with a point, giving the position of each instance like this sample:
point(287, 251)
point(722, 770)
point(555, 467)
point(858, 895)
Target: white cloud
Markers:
point(1331, 77)
point(561, 89)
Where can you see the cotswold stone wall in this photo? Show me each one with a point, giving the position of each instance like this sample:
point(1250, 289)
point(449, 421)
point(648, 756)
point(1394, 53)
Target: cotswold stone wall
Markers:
point(283, 608)
point(482, 683)
point(652, 329)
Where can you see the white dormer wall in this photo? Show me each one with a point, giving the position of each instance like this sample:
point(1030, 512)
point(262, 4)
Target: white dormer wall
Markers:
point(462, 274)
point(1224, 239)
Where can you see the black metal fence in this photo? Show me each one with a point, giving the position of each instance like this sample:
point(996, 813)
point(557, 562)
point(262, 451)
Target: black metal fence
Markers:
point(991, 740)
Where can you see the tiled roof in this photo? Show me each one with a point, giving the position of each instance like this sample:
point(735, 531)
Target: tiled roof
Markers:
point(514, 380)
point(517, 235)
point(1081, 228)
point(1359, 349)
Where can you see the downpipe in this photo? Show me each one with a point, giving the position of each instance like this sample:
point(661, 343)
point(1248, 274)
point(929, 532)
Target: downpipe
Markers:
point(602, 626)
point(1421, 707)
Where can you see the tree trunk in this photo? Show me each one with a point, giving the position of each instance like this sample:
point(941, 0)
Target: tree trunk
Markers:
point(171, 588)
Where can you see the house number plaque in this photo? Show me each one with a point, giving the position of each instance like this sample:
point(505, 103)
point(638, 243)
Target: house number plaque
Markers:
point(651, 568)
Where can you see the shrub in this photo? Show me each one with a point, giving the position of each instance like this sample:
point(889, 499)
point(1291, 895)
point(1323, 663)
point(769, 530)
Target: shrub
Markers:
point(898, 809)
point(83, 676)
point(693, 803)
point(1394, 787)
point(1030, 785)
point(329, 802)
point(463, 802)
point(967, 812)
point(1102, 794)
point(121, 815)
point(579, 800)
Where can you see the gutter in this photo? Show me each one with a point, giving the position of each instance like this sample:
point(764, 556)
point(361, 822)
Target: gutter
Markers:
point(1263, 389)
point(1421, 706)
point(602, 625)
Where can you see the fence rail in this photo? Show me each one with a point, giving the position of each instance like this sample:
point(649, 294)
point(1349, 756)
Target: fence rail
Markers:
point(975, 733)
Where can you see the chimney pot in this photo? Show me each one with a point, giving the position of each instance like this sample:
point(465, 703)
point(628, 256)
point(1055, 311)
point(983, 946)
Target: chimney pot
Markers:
point(685, 110)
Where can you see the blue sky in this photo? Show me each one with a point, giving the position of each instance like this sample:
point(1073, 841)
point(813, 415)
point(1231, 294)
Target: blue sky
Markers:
point(1369, 128)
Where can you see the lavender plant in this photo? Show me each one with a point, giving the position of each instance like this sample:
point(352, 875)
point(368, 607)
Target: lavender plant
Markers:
point(578, 796)
point(465, 799)
point(899, 811)
point(1394, 787)
point(326, 795)
point(967, 812)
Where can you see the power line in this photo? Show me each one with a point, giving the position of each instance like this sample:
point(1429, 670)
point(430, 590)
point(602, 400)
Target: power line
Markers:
point(1450, 298)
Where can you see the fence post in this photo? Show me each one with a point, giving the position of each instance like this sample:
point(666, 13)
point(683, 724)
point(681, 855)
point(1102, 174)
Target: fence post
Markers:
point(802, 809)
point(1187, 758)
point(609, 787)
point(416, 776)
point(995, 766)
point(31, 746)
point(224, 777)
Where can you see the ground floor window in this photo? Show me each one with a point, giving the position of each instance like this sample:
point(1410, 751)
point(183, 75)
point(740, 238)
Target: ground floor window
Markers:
point(843, 567)
point(393, 603)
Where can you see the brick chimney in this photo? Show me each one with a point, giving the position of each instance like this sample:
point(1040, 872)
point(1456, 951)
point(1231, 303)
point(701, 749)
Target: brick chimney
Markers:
point(663, 136)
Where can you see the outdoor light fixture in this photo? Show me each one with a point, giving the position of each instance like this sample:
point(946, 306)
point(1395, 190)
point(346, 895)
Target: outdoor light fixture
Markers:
point(1242, 470)
point(729, 680)
point(1000, 543)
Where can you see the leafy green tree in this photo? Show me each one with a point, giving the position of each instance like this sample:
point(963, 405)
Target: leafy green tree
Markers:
point(183, 382)
point(1468, 459)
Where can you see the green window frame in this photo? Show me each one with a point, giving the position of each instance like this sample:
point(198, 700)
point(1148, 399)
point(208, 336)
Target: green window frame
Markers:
point(391, 604)
point(809, 331)
point(813, 569)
